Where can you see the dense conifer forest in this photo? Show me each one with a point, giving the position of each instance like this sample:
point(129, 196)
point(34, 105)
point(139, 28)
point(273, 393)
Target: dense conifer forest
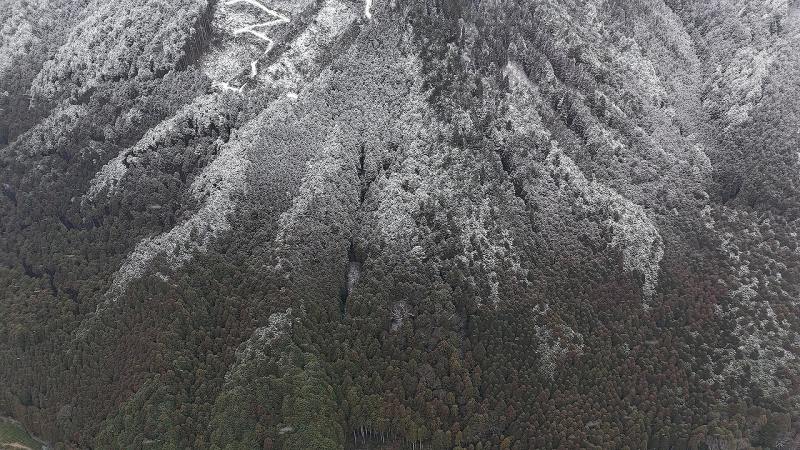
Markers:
point(400, 224)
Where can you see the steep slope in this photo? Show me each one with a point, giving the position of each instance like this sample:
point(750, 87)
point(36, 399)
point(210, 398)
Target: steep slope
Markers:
point(368, 224)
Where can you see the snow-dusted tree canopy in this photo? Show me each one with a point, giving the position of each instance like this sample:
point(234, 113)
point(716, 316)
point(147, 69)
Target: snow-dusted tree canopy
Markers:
point(391, 224)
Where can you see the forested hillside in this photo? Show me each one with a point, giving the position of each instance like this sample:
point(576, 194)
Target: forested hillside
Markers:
point(401, 224)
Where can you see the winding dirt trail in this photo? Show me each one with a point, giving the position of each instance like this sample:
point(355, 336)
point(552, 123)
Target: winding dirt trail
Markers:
point(254, 28)
point(244, 24)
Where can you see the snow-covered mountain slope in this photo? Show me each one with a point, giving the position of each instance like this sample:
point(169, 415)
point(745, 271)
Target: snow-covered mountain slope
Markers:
point(401, 224)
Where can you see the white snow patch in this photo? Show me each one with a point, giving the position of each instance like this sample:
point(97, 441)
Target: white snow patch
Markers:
point(367, 9)
point(224, 86)
point(295, 65)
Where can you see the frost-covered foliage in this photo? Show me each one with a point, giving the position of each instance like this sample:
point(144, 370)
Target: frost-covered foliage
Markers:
point(742, 39)
point(42, 140)
point(193, 119)
point(300, 61)
point(762, 255)
point(17, 34)
point(263, 338)
point(250, 31)
point(751, 66)
point(440, 225)
point(215, 188)
point(556, 340)
point(271, 374)
point(633, 232)
point(325, 204)
point(28, 28)
point(138, 38)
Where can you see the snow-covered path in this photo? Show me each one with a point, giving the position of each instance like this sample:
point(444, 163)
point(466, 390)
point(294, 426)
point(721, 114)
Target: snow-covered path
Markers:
point(236, 19)
point(254, 28)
